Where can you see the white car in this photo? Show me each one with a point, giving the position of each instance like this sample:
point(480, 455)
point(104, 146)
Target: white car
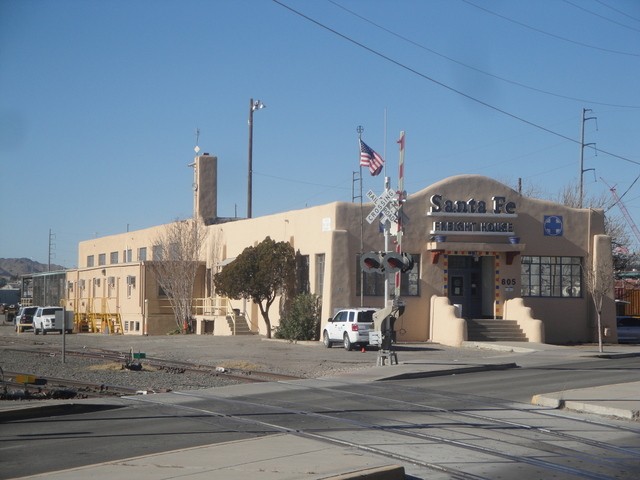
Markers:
point(44, 320)
point(349, 327)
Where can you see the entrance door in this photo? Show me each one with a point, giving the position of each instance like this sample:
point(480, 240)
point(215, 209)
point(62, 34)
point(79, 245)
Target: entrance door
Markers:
point(465, 284)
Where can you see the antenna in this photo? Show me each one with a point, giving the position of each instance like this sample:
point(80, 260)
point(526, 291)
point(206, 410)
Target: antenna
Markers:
point(197, 148)
point(195, 175)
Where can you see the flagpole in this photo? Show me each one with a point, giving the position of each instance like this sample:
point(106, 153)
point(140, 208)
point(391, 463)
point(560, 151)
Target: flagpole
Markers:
point(400, 204)
point(360, 129)
point(386, 223)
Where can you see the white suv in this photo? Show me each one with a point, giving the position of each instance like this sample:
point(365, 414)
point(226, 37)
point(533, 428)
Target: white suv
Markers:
point(44, 320)
point(349, 327)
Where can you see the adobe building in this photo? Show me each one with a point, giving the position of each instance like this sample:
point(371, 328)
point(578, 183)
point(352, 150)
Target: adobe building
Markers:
point(484, 257)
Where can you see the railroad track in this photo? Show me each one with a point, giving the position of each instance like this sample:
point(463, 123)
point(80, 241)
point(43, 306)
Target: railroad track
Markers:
point(45, 388)
point(58, 386)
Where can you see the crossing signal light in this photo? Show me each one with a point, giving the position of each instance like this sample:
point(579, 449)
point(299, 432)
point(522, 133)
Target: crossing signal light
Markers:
point(398, 262)
point(372, 262)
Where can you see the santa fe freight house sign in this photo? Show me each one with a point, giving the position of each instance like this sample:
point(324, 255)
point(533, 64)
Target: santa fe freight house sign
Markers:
point(472, 217)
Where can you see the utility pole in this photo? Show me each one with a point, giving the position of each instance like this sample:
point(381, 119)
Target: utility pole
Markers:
point(582, 145)
point(253, 106)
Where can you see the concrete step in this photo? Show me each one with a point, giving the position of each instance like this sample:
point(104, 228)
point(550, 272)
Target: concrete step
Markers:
point(494, 330)
point(242, 328)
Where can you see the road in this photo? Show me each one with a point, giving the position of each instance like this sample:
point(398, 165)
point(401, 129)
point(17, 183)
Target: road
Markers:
point(476, 425)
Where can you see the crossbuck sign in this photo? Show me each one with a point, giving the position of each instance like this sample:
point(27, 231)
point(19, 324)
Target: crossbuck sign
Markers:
point(383, 206)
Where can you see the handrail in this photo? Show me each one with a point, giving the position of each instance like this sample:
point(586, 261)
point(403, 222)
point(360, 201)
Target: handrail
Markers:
point(221, 306)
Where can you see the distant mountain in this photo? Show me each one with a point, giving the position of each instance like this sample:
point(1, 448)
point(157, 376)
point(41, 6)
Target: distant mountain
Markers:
point(14, 267)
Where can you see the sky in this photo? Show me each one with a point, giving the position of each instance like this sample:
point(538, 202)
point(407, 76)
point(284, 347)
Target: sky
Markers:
point(100, 102)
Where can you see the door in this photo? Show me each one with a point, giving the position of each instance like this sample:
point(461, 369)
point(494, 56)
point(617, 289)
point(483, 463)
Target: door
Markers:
point(465, 284)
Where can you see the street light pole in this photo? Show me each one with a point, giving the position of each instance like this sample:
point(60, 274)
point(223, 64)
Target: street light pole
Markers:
point(253, 106)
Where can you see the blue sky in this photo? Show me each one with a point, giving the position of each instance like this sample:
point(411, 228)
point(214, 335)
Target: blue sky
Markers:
point(100, 101)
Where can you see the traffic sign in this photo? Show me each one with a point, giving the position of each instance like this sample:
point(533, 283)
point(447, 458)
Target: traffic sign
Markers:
point(384, 206)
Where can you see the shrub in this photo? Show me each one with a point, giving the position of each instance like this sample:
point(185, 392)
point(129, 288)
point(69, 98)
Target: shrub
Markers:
point(302, 319)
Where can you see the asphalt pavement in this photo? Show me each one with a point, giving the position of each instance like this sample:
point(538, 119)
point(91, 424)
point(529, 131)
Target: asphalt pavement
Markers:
point(306, 458)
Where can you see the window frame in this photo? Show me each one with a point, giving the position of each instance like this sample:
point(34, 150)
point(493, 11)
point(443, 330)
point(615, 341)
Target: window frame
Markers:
point(548, 276)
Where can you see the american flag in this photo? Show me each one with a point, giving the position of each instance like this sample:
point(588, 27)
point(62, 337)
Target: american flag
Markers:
point(369, 158)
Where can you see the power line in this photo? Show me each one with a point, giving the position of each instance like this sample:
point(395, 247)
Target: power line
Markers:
point(506, 80)
point(553, 35)
point(443, 85)
point(619, 11)
point(600, 16)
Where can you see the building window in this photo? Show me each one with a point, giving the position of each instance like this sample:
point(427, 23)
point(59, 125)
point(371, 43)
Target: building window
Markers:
point(373, 283)
point(102, 259)
point(142, 254)
point(131, 284)
point(551, 276)
point(157, 252)
point(319, 274)
point(90, 260)
point(302, 273)
point(113, 258)
point(127, 256)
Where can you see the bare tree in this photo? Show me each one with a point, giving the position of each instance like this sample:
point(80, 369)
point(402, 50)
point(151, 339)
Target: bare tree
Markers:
point(614, 226)
point(598, 280)
point(179, 246)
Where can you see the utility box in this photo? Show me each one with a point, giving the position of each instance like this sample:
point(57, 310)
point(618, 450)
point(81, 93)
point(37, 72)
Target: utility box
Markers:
point(68, 321)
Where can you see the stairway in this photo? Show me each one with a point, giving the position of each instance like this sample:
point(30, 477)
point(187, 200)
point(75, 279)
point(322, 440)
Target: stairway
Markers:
point(242, 327)
point(492, 330)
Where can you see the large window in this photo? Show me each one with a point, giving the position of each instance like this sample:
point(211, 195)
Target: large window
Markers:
point(373, 283)
point(90, 260)
point(551, 276)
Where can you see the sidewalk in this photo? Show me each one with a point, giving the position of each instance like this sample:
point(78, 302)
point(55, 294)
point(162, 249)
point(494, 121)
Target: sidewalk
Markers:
point(285, 456)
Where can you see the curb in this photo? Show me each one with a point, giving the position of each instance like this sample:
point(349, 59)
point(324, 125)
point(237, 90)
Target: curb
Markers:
point(450, 371)
point(48, 410)
point(584, 407)
point(389, 472)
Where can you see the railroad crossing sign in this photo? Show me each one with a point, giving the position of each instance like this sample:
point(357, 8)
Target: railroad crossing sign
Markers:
point(383, 206)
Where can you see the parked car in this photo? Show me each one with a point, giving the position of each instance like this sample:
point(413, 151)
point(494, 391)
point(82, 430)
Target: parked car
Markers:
point(44, 320)
point(628, 329)
point(349, 327)
point(24, 318)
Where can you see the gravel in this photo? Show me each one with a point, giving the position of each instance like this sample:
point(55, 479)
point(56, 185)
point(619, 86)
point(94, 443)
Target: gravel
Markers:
point(233, 354)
